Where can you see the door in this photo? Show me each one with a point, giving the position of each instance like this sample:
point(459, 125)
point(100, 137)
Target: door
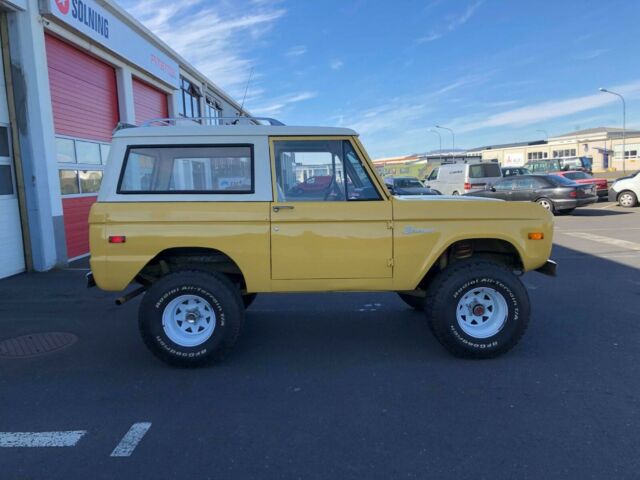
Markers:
point(524, 189)
point(503, 189)
point(342, 231)
point(84, 100)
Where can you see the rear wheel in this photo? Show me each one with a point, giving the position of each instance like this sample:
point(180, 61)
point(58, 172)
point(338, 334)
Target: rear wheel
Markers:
point(477, 309)
point(417, 303)
point(191, 318)
point(627, 199)
point(546, 204)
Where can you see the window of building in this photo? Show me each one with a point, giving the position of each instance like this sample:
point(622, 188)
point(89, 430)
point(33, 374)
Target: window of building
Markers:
point(213, 111)
point(80, 165)
point(197, 169)
point(6, 180)
point(337, 172)
point(190, 99)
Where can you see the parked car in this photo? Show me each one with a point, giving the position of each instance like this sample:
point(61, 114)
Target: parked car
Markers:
point(200, 253)
point(555, 193)
point(513, 171)
point(583, 164)
point(602, 186)
point(461, 178)
point(626, 191)
point(407, 186)
point(550, 165)
point(311, 185)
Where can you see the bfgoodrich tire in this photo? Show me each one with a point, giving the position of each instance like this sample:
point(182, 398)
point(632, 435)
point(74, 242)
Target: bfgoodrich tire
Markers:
point(477, 309)
point(417, 303)
point(191, 318)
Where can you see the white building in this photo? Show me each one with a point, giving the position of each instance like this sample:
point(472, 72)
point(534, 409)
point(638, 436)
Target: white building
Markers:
point(71, 70)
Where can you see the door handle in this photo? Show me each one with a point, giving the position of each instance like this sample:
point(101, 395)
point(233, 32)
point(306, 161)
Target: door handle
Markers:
point(282, 207)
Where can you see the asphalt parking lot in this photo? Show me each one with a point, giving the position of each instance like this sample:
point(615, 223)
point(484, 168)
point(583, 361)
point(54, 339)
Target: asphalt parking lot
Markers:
point(340, 385)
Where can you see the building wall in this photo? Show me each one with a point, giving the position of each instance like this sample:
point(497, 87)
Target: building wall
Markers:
point(70, 88)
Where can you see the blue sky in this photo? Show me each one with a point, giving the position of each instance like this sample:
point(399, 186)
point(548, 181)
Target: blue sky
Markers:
point(495, 71)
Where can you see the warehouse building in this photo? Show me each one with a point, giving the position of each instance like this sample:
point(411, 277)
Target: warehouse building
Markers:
point(71, 71)
point(602, 145)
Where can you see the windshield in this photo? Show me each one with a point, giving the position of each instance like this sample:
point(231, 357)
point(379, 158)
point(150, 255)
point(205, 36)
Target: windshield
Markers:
point(577, 175)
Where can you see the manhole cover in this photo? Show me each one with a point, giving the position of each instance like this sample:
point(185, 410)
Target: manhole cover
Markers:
point(36, 344)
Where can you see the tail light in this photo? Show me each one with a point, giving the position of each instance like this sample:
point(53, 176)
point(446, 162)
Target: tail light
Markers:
point(467, 185)
point(117, 239)
point(573, 194)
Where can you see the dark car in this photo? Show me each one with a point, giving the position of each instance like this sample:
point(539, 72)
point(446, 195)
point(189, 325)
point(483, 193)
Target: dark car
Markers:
point(513, 171)
point(407, 186)
point(553, 192)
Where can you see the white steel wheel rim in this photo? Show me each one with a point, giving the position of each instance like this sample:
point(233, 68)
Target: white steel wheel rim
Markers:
point(626, 200)
point(545, 204)
point(482, 312)
point(189, 320)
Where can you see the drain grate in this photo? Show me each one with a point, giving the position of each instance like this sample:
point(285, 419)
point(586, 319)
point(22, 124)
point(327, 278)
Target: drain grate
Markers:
point(36, 344)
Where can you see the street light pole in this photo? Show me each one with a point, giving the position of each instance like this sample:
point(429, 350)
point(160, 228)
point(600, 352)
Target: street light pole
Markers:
point(453, 138)
point(440, 137)
point(624, 127)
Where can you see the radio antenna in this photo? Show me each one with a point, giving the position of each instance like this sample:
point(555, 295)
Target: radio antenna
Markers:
point(246, 88)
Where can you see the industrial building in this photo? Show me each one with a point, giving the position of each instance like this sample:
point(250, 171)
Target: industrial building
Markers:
point(603, 145)
point(71, 71)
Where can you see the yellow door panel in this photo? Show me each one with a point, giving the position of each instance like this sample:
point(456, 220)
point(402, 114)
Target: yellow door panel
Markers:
point(331, 240)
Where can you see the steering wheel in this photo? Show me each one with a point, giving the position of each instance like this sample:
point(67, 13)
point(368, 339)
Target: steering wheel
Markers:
point(334, 189)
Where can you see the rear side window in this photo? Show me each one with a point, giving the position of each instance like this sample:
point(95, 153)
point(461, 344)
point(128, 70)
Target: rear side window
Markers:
point(188, 169)
point(576, 176)
point(559, 180)
point(483, 170)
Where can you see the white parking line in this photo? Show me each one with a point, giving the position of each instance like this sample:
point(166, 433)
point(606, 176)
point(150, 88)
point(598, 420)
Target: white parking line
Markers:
point(131, 439)
point(40, 439)
point(606, 240)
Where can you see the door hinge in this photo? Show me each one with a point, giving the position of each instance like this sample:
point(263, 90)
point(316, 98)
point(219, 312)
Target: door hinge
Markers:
point(389, 225)
point(390, 262)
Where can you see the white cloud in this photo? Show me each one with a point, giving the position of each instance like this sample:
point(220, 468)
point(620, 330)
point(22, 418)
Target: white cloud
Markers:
point(429, 37)
point(278, 105)
point(549, 110)
point(591, 54)
point(466, 15)
point(296, 51)
point(453, 23)
point(336, 64)
point(213, 36)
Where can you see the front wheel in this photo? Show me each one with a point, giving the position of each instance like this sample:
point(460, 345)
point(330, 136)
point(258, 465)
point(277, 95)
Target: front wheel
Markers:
point(477, 309)
point(191, 318)
point(627, 199)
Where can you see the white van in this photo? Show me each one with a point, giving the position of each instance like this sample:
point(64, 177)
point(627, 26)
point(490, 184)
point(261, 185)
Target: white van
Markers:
point(461, 178)
point(626, 190)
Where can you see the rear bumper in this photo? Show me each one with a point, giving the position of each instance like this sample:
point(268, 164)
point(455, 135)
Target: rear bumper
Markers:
point(549, 268)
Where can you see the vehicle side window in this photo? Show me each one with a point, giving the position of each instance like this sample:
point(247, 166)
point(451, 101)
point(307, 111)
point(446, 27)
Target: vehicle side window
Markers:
point(434, 174)
point(188, 169)
point(503, 185)
point(320, 171)
point(525, 183)
point(541, 183)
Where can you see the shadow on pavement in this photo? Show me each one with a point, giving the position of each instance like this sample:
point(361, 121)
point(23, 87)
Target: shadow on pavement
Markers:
point(597, 212)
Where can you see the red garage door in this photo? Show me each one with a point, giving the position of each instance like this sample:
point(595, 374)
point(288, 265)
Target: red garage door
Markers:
point(149, 103)
point(85, 111)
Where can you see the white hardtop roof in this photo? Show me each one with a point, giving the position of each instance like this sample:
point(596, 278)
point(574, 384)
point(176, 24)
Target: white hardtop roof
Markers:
point(230, 130)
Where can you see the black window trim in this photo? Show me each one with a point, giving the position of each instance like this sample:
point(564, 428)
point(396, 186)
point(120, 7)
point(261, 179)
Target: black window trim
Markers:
point(251, 147)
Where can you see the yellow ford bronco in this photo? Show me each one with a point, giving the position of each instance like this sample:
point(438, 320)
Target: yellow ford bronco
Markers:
point(202, 218)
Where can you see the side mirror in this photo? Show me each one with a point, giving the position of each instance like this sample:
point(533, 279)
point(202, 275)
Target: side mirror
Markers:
point(493, 189)
point(390, 188)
